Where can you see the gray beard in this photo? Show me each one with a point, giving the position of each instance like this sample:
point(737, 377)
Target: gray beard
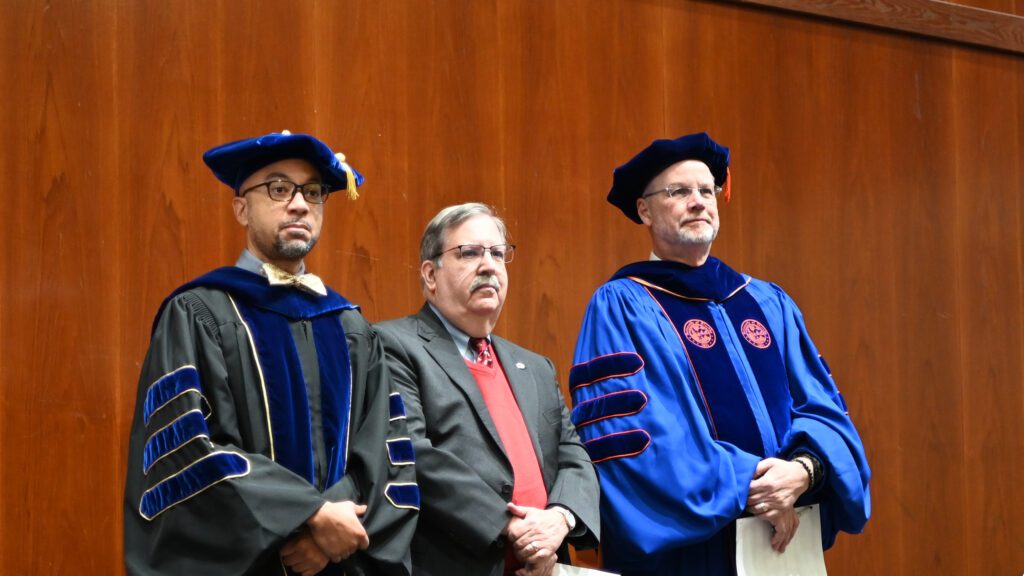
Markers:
point(698, 239)
point(293, 250)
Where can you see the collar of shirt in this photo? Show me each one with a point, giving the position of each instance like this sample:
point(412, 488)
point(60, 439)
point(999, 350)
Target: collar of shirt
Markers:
point(461, 338)
point(250, 263)
point(654, 257)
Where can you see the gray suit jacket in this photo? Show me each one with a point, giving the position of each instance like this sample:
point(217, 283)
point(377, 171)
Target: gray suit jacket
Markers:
point(464, 475)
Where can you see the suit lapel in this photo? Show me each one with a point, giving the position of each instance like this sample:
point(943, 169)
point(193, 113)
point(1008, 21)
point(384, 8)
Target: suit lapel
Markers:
point(441, 347)
point(524, 387)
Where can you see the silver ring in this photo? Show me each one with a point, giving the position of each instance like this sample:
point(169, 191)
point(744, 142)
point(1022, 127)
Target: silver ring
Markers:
point(534, 547)
point(762, 507)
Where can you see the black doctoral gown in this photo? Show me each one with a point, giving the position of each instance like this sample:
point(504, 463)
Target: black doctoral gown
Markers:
point(215, 484)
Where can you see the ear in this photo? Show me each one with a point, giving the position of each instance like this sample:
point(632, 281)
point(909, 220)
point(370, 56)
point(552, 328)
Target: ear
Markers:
point(241, 209)
point(644, 211)
point(428, 273)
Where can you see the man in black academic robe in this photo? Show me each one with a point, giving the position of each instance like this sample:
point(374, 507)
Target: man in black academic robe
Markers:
point(266, 437)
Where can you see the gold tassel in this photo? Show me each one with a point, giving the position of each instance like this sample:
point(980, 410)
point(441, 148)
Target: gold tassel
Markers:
point(350, 177)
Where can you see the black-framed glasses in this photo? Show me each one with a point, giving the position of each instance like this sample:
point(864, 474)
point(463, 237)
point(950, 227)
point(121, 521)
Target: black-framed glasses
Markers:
point(501, 253)
point(281, 190)
point(682, 192)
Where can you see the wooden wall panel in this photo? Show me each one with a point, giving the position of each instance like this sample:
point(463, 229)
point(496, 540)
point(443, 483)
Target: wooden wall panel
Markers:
point(583, 80)
point(900, 360)
point(61, 402)
point(443, 147)
point(916, 329)
point(876, 177)
point(988, 285)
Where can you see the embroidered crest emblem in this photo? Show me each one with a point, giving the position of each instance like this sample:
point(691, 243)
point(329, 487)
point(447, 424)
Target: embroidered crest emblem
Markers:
point(756, 334)
point(699, 333)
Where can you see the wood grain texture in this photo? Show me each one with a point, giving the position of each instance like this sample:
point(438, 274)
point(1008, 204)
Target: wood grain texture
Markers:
point(61, 405)
point(991, 336)
point(877, 178)
point(959, 22)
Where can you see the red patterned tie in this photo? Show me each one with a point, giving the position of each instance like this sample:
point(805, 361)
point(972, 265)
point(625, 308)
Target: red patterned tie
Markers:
point(483, 351)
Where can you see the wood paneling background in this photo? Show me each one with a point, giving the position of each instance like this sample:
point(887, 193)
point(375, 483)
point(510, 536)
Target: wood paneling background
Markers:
point(877, 177)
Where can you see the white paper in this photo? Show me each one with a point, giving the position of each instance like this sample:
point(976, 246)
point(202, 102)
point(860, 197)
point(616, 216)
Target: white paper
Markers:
point(803, 556)
point(566, 570)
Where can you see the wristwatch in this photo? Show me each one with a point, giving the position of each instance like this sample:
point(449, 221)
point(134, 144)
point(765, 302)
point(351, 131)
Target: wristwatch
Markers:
point(570, 518)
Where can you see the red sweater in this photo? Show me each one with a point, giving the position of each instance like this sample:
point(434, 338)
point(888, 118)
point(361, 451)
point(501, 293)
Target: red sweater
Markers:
point(528, 487)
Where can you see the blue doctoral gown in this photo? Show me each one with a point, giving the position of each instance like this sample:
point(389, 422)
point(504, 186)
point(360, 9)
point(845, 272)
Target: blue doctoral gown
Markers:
point(684, 379)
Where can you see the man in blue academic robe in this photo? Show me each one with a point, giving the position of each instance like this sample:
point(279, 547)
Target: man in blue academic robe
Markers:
point(697, 390)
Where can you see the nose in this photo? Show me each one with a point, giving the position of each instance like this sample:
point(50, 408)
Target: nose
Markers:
point(696, 203)
point(487, 261)
point(298, 203)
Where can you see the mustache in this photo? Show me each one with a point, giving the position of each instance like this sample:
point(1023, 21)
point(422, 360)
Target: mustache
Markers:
point(485, 280)
point(299, 221)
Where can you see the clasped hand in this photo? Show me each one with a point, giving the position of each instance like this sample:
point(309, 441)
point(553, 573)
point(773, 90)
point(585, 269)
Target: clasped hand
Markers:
point(535, 536)
point(774, 490)
point(331, 534)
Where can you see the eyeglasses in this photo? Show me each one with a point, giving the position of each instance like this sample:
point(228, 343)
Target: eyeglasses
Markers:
point(501, 253)
point(282, 190)
point(682, 192)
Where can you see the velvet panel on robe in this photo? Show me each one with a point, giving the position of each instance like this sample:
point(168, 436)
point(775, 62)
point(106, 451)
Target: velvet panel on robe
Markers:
point(671, 485)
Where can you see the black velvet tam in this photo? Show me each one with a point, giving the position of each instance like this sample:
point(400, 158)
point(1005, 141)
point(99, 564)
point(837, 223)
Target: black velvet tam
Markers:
point(632, 178)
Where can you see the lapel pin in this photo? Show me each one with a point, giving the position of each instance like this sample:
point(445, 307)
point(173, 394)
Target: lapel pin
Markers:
point(520, 365)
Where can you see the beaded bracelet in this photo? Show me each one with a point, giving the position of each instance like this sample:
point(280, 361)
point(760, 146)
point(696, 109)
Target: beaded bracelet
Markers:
point(816, 468)
point(810, 475)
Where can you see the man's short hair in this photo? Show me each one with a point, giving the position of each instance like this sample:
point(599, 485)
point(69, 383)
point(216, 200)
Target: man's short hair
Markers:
point(436, 233)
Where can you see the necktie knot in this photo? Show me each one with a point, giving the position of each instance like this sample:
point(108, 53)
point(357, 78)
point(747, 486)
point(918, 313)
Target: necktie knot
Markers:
point(482, 347)
point(309, 282)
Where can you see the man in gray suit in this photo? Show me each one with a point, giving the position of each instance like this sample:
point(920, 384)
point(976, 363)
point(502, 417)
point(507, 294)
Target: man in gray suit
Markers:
point(505, 482)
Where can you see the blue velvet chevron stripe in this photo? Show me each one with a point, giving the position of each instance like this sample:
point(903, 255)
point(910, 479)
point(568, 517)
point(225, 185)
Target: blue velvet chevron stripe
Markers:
point(604, 367)
point(615, 404)
point(396, 406)
point(198, 476)
point(617, 445)
point(403, 495)
point(169, 387)
point(184, 429)
point(401, 452)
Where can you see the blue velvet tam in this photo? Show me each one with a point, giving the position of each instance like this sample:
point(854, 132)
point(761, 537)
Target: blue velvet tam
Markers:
point(233, 162)
point(632, 178)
